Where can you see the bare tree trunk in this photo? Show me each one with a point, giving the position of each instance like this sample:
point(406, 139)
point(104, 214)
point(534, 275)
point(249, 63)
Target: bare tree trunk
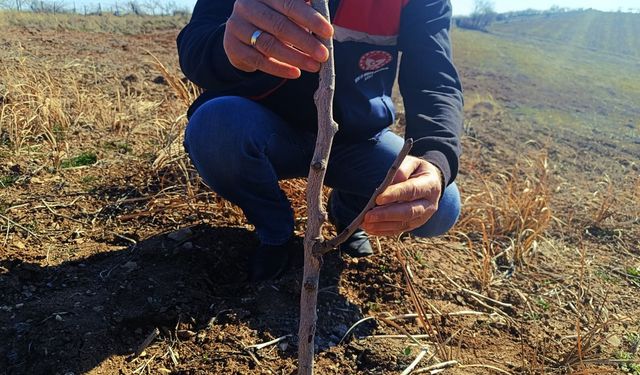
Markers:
point(316, 213)
point(315, 246)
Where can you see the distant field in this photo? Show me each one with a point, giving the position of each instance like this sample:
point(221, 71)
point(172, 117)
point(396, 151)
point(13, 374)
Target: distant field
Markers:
point(554, 84)
point(106, 23)
point(617, 33)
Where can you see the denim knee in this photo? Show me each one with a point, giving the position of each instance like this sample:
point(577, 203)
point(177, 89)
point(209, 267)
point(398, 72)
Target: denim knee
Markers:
point(220, 139)
point(217, 122)
point(446, 216)
point(227, 140)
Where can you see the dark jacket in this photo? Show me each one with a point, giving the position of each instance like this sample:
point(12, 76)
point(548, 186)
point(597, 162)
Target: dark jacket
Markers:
point(369, 34)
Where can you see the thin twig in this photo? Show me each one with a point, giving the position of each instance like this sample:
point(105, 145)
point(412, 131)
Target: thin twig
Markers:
point(417, 304)
point(354, 326)
point(492, 308)
point(145, 365)
point(59, 205)
point(173, 356)
point(487, 366)
point(268, 343)
point(9, 221)
point(403, 330)
point(473, 296)
point(415, 362)
point(152, 336)
point(430, 316)
point(133, 242)
point(611, 361)
point(503, 304)
point(437, 366)
point(333, 243)
point(422, 336)
point(253, 357)
point(48, 207)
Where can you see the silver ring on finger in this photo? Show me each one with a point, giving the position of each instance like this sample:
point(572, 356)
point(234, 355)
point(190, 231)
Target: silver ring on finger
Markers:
point(254, 37)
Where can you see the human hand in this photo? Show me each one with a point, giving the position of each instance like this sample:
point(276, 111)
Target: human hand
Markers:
point(287, 43)
point(409, 202)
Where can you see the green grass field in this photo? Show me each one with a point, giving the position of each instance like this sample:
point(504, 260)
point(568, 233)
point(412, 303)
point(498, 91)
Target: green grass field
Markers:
point(530, 68)
point(614, 33)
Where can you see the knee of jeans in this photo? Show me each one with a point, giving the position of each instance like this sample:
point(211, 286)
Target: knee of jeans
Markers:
point(208, 140)
point(223, 128)
point(209, 120)
point(445, 218)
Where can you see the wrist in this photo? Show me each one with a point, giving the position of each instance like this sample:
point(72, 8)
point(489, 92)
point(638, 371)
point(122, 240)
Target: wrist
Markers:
point(438, 172)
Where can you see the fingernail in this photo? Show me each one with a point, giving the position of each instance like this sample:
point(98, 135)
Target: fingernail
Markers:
point(329, 31)
point(295, 74)
point(321, 54)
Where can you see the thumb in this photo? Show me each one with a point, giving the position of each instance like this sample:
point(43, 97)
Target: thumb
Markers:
point(406, 169)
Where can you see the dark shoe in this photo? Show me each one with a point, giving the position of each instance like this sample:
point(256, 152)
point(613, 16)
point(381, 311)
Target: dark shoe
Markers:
point(358, 245)
point(268, 262)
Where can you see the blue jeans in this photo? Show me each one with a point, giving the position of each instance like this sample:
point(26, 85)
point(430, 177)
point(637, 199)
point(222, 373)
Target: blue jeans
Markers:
point(241, 149)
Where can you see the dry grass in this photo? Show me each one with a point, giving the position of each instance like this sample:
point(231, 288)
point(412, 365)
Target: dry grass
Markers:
point(105, 23)
point(44, 104)
point(506, 214)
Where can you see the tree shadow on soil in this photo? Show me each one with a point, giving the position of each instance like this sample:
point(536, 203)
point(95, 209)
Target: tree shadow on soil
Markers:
point(71, 317)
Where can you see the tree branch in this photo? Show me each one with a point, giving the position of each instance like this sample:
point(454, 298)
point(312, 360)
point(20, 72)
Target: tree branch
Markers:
point(333, 243)
point(314, 244)
point(316, 214)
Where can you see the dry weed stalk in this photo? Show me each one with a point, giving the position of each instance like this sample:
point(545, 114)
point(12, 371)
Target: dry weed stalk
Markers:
point(423, 317)
point(171, 158)
point(588, 344)
point(187, 92)
point(607, 202)
point(510, 209)
point(593, 328)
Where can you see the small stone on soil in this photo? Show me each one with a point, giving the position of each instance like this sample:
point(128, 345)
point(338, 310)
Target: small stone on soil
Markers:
point(181, 235)
point(130, 266)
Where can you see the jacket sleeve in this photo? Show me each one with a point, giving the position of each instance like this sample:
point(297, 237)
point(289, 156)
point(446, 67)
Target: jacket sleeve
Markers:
point(430, 85)
point(200, 49)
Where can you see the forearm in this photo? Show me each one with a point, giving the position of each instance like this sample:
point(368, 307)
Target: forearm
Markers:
point(430, 85)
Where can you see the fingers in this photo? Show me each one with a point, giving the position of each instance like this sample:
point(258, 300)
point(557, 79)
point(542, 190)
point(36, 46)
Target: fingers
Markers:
point(407, 204)
point(304, 15)
point(249, 59)
point(269, 46)
point(392, 228)
point(402, 212)
point(286, 20)
point(407, 191)
point(405, 170)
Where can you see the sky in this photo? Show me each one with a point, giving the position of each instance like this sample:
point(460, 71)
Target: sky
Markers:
point(460, 7)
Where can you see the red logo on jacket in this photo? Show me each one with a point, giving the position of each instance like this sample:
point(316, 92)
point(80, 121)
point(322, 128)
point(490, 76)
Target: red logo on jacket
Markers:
point(374, 60)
